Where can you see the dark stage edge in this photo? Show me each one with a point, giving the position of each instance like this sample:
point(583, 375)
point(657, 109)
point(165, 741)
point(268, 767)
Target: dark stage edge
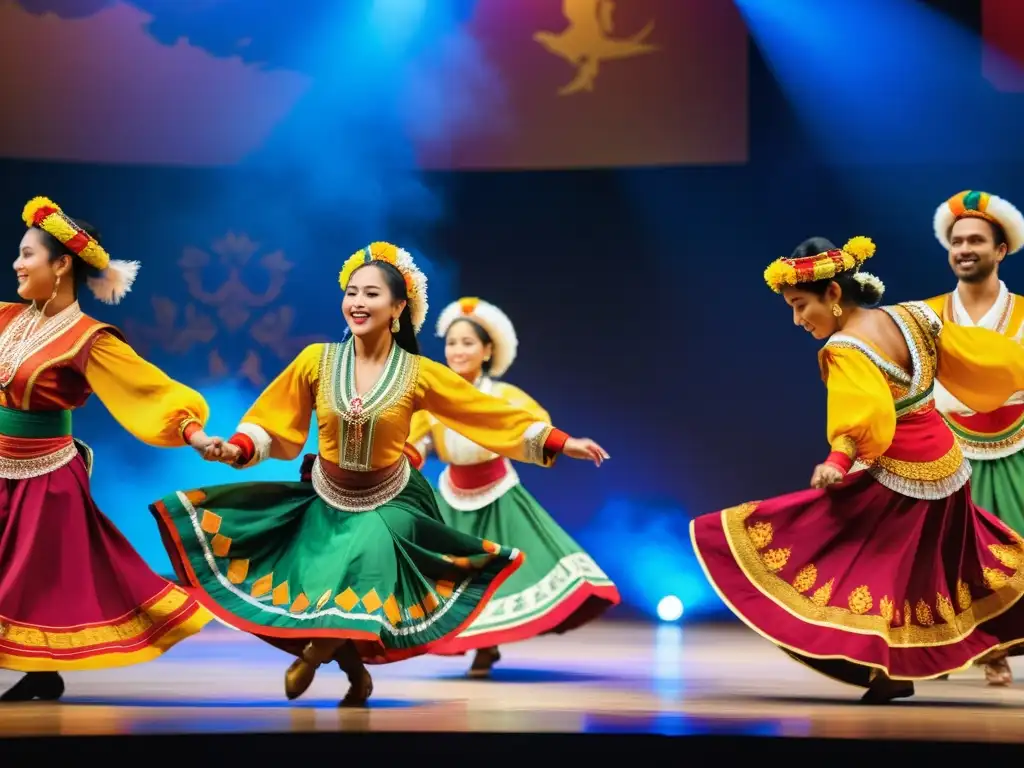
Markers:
point(489, 748)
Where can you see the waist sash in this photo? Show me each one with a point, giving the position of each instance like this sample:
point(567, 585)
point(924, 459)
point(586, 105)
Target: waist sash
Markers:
point(35, 425)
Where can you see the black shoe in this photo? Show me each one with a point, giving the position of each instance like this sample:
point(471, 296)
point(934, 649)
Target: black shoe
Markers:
point(44, 686)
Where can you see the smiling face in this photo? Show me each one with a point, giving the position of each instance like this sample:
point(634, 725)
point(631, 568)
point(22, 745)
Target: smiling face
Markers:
point(37, 275)
point(813, 312)
point(369, 305)
point(464, 350)
point(973, 253)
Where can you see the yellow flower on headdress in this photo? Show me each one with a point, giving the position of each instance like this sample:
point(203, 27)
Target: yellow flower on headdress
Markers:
point(33, 206)
point(860, 247)
point(778, 274)
point(351, 264)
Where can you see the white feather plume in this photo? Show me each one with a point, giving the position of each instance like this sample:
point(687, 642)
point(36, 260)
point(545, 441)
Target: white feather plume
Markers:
point(115, 281)
point(418, 304)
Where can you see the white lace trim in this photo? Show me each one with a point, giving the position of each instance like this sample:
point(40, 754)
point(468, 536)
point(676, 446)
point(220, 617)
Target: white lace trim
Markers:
point(261, 440)
point(360, 499)
point(926, 490)
point(23, 469)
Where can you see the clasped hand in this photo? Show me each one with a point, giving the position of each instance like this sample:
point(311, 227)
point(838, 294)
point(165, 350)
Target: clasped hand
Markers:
point(214, 448)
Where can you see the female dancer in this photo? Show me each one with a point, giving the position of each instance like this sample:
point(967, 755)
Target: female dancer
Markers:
point(73, 592)
point(887, 574)
point(560, 587)
point(359, 565)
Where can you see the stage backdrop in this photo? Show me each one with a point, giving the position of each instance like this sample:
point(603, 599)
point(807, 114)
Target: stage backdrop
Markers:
point(483, 84)
point(643, 319)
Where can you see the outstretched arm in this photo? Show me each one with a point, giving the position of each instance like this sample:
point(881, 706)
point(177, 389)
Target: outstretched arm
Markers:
point(277, 424)
point(505, 429)
point(144, 400)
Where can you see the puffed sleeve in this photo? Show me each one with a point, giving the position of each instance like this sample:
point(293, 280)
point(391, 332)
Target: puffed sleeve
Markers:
point(861, 420)
point(510, 431)
point(144, 400)
point(277, 424)
point(517, 397)
point(980, 368)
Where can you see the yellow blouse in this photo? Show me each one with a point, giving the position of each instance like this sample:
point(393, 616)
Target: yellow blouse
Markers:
point(427, 433)
point(369, 432)
point(860, 412)
point(865, 389)
point(144, 400)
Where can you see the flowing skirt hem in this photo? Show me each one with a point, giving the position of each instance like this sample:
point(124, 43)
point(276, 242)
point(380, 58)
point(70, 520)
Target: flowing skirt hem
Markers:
point(580, 606)
point(369, 644)
point(837, 666)
point(187, 621)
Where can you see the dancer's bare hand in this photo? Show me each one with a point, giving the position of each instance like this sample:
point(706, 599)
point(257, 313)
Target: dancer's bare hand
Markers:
point(224, 452)
point(585, 448)
point(213, 449)
point(825, 475)
point(201, 441)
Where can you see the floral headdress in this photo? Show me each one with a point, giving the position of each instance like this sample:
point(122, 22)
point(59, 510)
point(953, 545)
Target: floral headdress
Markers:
point(116, 277)
point(400, 259)
point(492, 320)
point(981, 205)
point(822, 266)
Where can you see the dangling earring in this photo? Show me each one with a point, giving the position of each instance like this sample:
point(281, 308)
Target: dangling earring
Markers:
point(837, 311)
point(56, 284)
point(395, 326)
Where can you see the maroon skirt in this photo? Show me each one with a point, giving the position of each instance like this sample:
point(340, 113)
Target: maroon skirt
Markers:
point(74, 594)
point(857, 577)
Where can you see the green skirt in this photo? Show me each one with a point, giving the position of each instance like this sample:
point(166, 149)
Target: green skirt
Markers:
point(997, 486)
point(557, 589)
point(275, 560)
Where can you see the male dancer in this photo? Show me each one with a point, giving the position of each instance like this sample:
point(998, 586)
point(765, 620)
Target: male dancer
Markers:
point(978, 230)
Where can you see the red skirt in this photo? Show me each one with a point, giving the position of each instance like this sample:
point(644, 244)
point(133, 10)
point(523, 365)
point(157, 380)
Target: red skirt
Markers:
point(857, 577)
point(74, 594)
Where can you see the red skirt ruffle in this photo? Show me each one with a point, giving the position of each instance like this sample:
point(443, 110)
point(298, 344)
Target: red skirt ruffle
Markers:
point(74, 594)
point(858, 577)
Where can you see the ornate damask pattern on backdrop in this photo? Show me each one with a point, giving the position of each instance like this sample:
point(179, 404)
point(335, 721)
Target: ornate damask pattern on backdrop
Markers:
point(233, 316)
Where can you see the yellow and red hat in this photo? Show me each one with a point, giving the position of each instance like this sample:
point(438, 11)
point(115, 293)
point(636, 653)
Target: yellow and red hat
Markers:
point(115, 277)
point(821, 266)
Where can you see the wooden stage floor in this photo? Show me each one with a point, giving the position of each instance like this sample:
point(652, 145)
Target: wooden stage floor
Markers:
point(609, 678)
